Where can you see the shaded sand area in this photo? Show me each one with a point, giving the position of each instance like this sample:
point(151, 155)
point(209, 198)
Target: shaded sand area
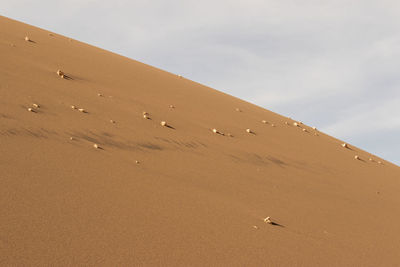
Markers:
point(91, 176)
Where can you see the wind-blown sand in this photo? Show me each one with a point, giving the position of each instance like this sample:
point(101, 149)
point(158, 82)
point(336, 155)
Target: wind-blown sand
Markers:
point(174, 195)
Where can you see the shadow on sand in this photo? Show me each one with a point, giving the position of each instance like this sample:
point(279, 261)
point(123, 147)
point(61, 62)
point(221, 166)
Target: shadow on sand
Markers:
point(276, 224)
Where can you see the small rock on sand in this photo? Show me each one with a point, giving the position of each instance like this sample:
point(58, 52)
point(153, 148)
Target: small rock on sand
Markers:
point(268, 220)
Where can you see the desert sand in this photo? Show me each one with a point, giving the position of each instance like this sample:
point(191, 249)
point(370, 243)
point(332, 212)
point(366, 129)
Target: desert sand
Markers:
point(91, 176)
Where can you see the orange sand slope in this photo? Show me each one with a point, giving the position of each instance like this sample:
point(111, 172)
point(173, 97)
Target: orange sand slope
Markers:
point(178, 194)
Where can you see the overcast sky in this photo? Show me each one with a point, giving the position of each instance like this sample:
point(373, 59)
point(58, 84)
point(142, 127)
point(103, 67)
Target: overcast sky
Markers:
point(333, 64)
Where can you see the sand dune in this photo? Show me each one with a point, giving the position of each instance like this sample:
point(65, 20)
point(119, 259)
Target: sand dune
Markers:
point(89, 175)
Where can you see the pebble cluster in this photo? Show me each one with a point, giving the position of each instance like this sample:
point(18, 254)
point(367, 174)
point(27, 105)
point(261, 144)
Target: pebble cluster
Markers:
point(35, 107)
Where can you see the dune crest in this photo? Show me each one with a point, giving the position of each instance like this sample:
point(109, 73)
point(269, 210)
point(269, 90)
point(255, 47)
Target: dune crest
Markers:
point(72, 191)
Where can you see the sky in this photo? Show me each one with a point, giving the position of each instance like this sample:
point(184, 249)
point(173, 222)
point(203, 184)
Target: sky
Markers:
point(330, 64)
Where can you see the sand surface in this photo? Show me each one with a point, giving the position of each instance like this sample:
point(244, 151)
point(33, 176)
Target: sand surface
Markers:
point(182, 195)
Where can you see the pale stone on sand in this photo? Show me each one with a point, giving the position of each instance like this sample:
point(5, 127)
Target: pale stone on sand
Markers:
point(60, 73)
point(268, 220)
